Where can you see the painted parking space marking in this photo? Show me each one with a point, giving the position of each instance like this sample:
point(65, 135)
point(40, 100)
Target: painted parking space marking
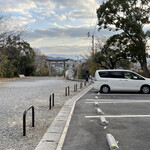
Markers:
point(119, 116)
point(117, 94)
point(117, 99)
point(116, 102)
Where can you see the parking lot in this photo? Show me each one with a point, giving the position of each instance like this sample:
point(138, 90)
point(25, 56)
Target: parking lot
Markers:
point(128, 116)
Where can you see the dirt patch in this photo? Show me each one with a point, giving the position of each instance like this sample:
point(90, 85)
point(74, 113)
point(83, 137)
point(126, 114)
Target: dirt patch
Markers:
point(8, 79)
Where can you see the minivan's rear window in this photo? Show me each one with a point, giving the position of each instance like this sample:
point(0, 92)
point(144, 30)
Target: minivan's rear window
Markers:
point(116, 74)
point(104, 74)
point(111, 74)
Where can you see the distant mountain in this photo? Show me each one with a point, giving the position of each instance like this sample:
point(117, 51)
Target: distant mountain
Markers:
point(64, 56)
point(56, 58)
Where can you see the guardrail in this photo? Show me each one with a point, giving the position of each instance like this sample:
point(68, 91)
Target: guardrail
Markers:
point(24, 119)
point(51, 100)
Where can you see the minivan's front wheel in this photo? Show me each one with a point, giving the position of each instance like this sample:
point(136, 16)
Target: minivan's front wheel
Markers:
point(105, 89)
point(145, 89)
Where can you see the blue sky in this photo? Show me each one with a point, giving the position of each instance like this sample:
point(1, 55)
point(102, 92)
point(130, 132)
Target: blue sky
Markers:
point(56, 26)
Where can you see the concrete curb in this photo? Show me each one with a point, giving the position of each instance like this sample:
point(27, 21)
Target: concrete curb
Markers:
point(54, 137)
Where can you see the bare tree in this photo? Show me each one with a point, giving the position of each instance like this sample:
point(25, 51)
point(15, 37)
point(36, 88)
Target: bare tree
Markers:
point(40, 63)
point(9, 29)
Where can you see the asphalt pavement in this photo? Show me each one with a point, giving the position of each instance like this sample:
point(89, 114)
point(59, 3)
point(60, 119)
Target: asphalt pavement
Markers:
point(128, 116)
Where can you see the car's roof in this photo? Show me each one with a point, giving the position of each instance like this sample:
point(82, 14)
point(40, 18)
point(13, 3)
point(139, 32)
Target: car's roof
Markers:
point(115, 70)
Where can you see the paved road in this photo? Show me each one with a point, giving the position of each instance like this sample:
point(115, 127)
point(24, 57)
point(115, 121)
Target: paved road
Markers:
point(128, 115)
point(18, 95)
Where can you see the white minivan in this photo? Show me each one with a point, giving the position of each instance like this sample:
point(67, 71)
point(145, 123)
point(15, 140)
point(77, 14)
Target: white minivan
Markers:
point(120, 80)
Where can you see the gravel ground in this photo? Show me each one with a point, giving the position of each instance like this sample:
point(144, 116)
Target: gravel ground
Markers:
point(18, 95)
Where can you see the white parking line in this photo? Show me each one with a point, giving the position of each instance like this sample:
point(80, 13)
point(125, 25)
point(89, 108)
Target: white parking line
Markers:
point(114, 100)
point(118, 94)
point(117, 102)
point(117, 99)
point(119, 116)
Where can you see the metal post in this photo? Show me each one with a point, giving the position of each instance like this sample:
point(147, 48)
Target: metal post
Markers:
point(68, 90)
point(76, 87)
point(32, 116)
point(85, 83)
point(24, 123)
point(50, 102)
point(81, 85)
point(24, 119)
point(53, 98)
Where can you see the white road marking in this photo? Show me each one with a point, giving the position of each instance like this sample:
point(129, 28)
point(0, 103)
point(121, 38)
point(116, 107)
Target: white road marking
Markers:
point(119, 116)
point(118, 94)
point(117, 102)
point(108, 100)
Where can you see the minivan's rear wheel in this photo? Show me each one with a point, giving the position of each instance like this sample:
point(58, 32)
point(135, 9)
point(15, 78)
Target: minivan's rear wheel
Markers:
point(105, 89)
point(145, 89)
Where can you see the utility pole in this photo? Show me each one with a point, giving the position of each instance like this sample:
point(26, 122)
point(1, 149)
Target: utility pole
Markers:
point(93, 50)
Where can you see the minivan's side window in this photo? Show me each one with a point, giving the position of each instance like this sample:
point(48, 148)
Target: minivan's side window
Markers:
point(133, 76)
point(104, 74)
point(128, 75)
point(116, 74)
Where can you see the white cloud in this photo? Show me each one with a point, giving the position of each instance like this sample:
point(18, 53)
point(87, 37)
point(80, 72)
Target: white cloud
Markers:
point(60, 35)
point(24, 7)
point(21, 20)
point(59, 32)
point(82, 14)
point(75, 3)
point(62, 17)
point(45, 8)
point(58, 26)
point(83, 10)
point(17, 6)
point(49, 12)
point(74, 49)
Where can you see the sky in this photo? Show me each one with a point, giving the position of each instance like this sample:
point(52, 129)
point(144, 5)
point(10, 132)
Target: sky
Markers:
point(56, 27)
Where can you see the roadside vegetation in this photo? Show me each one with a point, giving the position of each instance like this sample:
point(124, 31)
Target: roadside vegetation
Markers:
point(129, 20)
point(16, 54)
